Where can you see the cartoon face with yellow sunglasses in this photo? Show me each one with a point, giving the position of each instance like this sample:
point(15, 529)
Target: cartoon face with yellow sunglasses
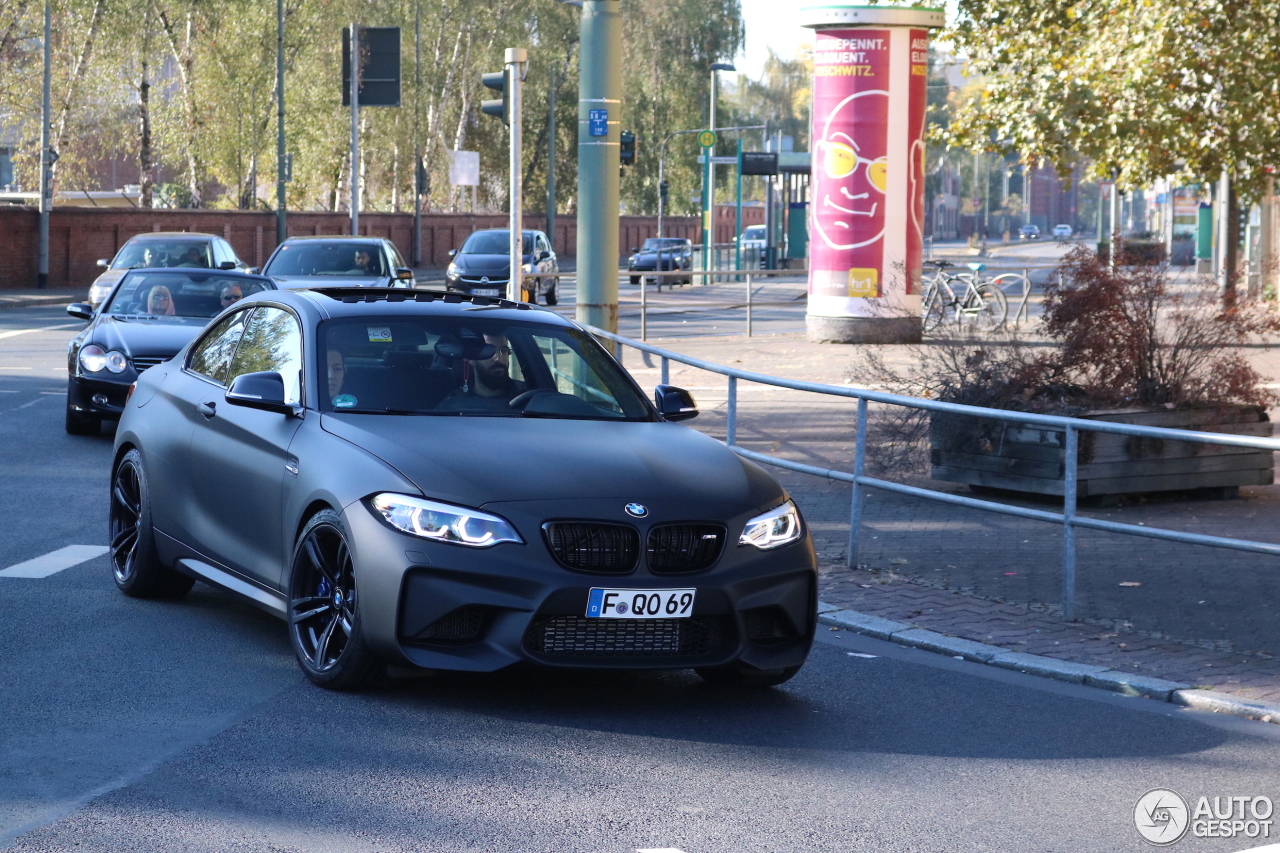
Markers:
point(851, 176)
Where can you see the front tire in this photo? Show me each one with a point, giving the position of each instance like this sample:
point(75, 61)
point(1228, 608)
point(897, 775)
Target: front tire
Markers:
point(324, 608)
point(737, 675)
point(134, 561)
point(551, 295)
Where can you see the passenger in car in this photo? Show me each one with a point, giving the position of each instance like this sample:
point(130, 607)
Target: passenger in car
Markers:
point(337, 371)
point(160, 301)
point(193, 258)
point(231, 294)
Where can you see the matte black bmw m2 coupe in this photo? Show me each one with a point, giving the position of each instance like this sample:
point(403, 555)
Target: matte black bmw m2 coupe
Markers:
point(450, 482)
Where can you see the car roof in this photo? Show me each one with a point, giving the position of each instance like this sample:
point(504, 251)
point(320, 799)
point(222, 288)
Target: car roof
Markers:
point(340, 302)
point(488, 230)
point(171, 235)
point(336, 238)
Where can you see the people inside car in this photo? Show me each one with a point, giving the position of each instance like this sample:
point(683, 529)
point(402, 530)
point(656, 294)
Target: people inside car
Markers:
point(362, 263)
point(160, 301)
point(337, 372)
point(193, 257)
point(486, 383)
point(151, 257)
point(231, 294)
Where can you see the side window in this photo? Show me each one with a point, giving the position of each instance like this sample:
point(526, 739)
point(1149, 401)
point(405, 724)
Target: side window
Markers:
point(212, 355)
point(272, 341)
point(397, 260)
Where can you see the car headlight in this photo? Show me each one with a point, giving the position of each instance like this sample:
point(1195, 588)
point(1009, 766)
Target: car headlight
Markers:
point(775, 528)
point(95, 359)
point(444, 522)
point(528, 268)
point(452, 269)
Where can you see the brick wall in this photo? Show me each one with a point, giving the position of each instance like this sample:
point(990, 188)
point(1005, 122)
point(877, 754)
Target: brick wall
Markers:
point(79, 236)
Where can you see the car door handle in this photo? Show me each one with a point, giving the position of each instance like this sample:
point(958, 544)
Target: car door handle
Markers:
point(208, 408)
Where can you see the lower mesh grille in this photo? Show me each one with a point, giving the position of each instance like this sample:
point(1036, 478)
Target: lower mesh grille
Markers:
point(463, 625)
point(579, 636)
point(677, 548)
point(593, 546)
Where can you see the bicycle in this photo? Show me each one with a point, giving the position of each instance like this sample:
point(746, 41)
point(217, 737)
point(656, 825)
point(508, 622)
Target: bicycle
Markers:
point(982, 303)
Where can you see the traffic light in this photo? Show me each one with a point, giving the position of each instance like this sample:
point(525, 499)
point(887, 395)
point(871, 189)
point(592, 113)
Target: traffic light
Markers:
point(664, 190)
point(497, 80)
point(628, 147)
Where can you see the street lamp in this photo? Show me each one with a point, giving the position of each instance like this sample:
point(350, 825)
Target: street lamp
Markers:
point(709, 193)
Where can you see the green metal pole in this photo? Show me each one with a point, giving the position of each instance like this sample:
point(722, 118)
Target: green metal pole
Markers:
point(282, 228)
point(708, 221)
point(551, 162)
point(599, 88)
point(737, 226)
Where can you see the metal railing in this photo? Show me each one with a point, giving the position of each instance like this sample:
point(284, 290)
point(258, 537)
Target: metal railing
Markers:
point(1071, 427)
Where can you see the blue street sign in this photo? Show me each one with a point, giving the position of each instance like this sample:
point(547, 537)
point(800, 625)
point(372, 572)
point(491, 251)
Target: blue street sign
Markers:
point(598, 122)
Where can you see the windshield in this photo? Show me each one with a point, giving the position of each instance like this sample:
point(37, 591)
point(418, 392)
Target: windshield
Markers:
point(138, 254)
point(174, 293)
point(322, 257)
point(472, 366)
point(755, 232)
point(655, 243)
point(493, 243)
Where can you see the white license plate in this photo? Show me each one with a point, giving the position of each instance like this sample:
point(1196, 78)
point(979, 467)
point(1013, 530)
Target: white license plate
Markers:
point(485, 291)
point(640, 603)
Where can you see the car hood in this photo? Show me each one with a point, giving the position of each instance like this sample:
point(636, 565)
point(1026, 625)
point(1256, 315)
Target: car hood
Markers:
point(479, 461)
point(145, 337)
point(108, 278)
point(469, 263)
point(298, 282)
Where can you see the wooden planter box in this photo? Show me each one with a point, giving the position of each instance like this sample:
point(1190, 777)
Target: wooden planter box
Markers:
point(1025, 458)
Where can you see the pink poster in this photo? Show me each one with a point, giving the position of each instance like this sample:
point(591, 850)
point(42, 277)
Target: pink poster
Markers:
point(917, 103)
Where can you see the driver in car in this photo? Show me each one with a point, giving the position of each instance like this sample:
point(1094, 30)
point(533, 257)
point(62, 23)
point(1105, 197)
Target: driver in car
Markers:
point(486, 383)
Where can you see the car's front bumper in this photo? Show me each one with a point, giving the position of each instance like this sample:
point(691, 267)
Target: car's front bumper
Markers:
point(442, 606)
point(99, 397)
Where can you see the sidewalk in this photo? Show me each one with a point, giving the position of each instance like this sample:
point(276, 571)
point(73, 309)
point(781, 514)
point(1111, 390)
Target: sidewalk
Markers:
point(34, 298)
point(1197, 615)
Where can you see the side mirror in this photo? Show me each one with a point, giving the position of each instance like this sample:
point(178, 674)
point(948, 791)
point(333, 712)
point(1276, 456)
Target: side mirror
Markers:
point(453, 252)
point(80, 310)
point(674, 404)
point(104, 263)
point(543, 255)
point(260, 391)
point(254, 271)
point(227, 265)
point(404, 274)
point(635, 249)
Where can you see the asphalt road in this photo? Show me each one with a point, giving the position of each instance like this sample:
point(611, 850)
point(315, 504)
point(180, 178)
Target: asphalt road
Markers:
point(150, 726)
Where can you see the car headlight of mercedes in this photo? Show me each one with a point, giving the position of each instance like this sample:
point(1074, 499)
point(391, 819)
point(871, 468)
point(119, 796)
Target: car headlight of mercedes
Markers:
point(442, 522)
point(94, 359)
point(773, 529)
point(451, 270)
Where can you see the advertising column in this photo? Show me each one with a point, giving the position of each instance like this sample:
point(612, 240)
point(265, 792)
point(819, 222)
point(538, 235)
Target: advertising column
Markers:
point(870, 71)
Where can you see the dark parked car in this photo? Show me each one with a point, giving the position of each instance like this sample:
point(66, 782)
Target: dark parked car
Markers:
point(185, 249)
point(453, 482)
point(662, 253)
point(1029, 232)
point(482, 266)
point(149, 316)
point(338, 261)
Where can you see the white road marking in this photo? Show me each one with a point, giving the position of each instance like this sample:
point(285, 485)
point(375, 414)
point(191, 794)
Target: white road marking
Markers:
point(58, 393)
point(859, 655)
point(24, 405)
point(17, 332)
point(54, 561)
point(658, 850)
point(15, 368)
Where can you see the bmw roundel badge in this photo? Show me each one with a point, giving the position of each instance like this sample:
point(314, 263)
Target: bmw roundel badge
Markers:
point(637, 510)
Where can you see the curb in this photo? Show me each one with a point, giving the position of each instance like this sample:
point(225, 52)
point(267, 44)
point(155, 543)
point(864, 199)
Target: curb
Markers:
point(1047, 667)
point(35, 302)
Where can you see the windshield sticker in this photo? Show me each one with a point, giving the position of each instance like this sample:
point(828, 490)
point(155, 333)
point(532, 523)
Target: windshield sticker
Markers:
point(344, 401)
point(379, 335)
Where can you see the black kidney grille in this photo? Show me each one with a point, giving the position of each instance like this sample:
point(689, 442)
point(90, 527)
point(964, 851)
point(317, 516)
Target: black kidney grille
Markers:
point(578, 636)
point(677, 548)
point(593, 546)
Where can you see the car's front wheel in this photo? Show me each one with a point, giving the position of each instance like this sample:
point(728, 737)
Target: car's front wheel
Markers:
point(740, 675)
point(324, 608)
point(550, 297)
point(78, 424)
point(134, 561)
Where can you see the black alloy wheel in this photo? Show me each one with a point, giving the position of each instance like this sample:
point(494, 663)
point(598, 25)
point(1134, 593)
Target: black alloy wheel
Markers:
point(324, 616)
point(135, 563)
point(550, 296)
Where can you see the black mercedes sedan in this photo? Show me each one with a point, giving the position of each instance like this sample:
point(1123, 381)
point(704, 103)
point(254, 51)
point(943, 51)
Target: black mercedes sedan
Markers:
point(148, 316)
point(425, 479)
point(663, 254)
